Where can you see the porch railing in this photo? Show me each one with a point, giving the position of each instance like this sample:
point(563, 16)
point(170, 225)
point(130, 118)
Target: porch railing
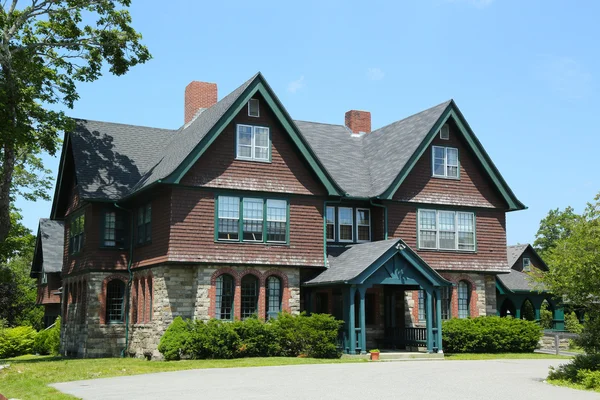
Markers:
point(401, 337)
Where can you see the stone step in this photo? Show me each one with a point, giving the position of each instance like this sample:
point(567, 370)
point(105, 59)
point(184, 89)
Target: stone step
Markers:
point(410, 356)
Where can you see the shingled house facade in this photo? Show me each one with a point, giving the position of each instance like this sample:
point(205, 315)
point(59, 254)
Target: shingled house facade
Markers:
point(244, 211)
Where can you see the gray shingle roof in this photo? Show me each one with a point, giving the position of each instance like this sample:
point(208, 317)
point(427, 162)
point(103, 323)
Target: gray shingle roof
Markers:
point(354, 260)
point(52, 235)
point(514, 252)
point(365, 166)
point(519, 281)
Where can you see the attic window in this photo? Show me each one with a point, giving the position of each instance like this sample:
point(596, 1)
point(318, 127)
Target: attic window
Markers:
point(445, 132)
point(526, 265)
point(253, 143)
point(253, 108)
point(445, 162)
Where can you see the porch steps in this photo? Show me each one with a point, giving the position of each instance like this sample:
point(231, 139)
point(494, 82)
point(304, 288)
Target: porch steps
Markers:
point(400, 356)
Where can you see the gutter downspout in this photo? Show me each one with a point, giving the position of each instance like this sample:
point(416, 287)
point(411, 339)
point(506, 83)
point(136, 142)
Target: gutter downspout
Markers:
point(130, 281)
point(385, 217)
point(325, 203)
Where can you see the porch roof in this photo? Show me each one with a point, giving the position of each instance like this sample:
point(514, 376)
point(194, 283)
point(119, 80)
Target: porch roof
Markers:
point(516, 281)
point(361, 260)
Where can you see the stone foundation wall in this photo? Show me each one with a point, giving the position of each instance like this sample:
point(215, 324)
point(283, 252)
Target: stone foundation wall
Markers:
point(177, 291)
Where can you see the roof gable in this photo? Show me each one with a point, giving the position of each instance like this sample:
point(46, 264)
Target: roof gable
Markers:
point(513, 253)
point(452, 111)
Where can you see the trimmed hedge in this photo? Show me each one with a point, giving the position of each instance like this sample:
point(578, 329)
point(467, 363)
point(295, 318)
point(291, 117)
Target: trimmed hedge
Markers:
point(16, 341)
point(48, 340)
point(490, 335)
point(288, 335)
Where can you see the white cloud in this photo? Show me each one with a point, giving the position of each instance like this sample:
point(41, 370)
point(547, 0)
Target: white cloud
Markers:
point(375, 74)
point(565, 76)
point(296, 85)
point(474, 3)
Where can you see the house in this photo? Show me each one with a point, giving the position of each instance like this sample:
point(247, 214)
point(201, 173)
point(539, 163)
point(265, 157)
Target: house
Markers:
point(47, 266)
point(244, 211)
point(519, 289)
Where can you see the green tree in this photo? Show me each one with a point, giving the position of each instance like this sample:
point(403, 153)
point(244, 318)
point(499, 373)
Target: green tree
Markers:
point(574, 263)
point(555, 226)
point(47, 47)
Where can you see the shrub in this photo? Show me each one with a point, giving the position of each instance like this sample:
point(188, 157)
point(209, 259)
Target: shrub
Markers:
point(173, 340)
point(584, 369)
point(309, 336)
point(546, 318)
point(589, 338)
point(258, 338)
point(490, 335)
point(572, 323)
point(48, 340)
point(16, 341)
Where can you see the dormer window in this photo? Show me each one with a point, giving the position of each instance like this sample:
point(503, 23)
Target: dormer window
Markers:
point(445, 132)
point(253, 143)
point(253, 108)
point(445, 162)
point(526, 264)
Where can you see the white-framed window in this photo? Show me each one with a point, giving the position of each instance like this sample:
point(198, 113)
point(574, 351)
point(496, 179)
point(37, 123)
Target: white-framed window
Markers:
point(229, 216)
point(345, 224)
point(363, 225)
point(330, 223)
point(445, 162)
point(253, 108)
point(253, 143)
point(446, 230)
point(253, 220)
point(526, 264)
point(445, 132)
point(276, 220)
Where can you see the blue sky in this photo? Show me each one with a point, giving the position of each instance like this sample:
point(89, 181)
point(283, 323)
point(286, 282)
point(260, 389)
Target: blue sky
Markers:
point(524, 74)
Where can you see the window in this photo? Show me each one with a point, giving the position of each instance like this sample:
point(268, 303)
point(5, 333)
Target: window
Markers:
point(115, 295)
point(273, 296)
point(330, 219)
point(276, 220)
point(446, 230)
point(253, 108)
point(249, 296)
point(253, 220)
point(363, 224)
point(224, 297)
point(263, 221)
point(422, 312)
point(345, 224)
point(446, 302)
point(445, 132)
point(144, 224)
point(229, 217)
point(253, 143)
point(445, 162)
point(76, 234)
point(114, 232)
point(526, 264)
point(44, 278)
point(463, 299)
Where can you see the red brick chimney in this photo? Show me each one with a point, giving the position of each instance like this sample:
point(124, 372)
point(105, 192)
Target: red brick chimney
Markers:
point(358, 121)
point(199, 95)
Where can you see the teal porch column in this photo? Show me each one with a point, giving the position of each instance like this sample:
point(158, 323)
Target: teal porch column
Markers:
point(559, 318)
point(351, 321)
point(363, 325)
point(438, 315)
point(429, 319)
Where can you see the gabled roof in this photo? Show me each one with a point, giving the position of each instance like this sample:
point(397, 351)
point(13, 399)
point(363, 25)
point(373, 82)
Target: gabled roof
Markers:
point(114, 161)
point(49, 247)
point(349, 265)
point(514, 252)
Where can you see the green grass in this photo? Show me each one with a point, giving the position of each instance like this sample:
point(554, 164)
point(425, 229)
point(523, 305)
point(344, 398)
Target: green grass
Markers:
point(569, 384)
point(28, 376)
point(500, 356)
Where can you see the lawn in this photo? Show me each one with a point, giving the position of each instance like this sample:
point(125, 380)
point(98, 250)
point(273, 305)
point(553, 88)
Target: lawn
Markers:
point(486, 356)
point(28, 376)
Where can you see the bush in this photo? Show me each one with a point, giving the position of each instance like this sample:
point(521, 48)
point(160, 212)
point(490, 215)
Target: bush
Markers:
point(589, 338)
point(48, 340)
point(173, 340)
point(490, 335)
point(288, 335)
point(583, 370)
point(546, 318)
point(572, 323)
point(16, 341)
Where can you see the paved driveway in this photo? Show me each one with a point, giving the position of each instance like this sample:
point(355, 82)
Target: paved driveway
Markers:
point(497, 379)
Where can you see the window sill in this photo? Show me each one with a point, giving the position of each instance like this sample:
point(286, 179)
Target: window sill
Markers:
point(113, 248)
point(253, 160)
point(450, 178)
point(448, 251)
point(252, 243)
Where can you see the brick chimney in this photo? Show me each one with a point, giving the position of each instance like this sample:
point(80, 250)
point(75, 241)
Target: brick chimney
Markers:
point(199, 95)
point(358, 121)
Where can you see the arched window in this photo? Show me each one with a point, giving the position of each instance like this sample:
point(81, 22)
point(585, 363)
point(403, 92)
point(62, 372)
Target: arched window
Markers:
point(115, 295)
point(224, 298)
point(463, 300)
point(273, 296)
point(249, 296)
